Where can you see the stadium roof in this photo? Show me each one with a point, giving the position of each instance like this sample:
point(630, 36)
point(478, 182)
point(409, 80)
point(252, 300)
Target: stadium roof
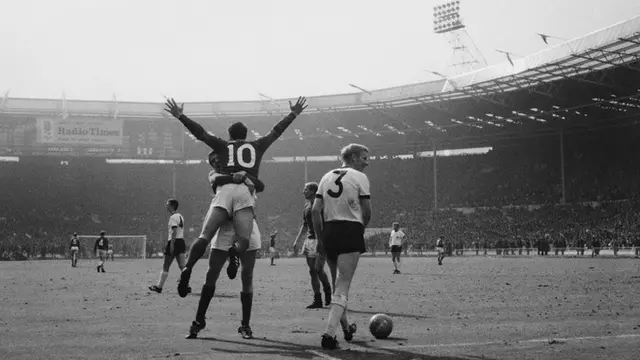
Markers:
point(616, 45)
point(590, 81)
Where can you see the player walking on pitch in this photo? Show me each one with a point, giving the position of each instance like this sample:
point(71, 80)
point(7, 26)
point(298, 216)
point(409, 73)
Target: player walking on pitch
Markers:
point(231, 200)
point(396, 241)
point(341, 212)
point(175, 248)
point(110, 252)
point(315, 262)
point(440, 249)
point(74, 246)
point(272, 247)
point(100, 249)
point(222, 242)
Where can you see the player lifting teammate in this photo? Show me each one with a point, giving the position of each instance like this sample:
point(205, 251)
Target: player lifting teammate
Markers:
point(315, 261)
point(100, 249)
point(231, 200)
point(175, 247)
point(396, 240)
point(74, 246)
point(341, 212)
point(222, 242)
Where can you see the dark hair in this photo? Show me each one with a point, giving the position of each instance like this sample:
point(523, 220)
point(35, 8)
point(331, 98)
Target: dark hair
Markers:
point(238, 131)
point(102, 232)
point(173, 203)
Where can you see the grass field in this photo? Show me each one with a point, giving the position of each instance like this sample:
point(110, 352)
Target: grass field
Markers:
point(470, 308)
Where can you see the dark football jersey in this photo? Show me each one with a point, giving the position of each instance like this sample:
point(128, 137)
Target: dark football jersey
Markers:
point(238, 155)
point(308, 221)
point(101, 244)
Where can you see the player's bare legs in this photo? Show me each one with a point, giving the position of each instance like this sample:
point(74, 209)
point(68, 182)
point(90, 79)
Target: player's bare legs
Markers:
point(215, 218)
point(395, 257)
point(243, 225)
point(217, 258)
point(318, 277)
point(348, 329)
point(102, 254)
point(166, 265)
point(248, 260)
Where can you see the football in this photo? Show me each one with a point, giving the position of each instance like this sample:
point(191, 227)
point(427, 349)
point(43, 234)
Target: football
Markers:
point(380, 326)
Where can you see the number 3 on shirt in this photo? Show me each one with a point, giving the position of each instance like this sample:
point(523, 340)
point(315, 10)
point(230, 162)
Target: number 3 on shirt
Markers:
point(338, 181)
point(236, 156)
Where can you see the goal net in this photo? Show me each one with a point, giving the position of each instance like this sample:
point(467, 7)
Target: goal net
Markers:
point(124, 246)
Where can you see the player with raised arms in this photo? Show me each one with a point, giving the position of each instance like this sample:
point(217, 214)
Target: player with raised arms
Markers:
point(341, 212)
point(176, 247)
point(315, 262)
point(231, 200)
point(222, 242)
point(74, 246)
point(100, 249)
point(396, 240)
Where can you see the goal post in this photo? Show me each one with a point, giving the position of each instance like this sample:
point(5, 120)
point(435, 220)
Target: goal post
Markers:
point(124, 246)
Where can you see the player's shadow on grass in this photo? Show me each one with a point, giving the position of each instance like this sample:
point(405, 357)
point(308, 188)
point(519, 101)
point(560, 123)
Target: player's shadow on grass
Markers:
point(257, 346)
point(226, 296)
point(298, 351)
point(380, 353)
point(415, 316)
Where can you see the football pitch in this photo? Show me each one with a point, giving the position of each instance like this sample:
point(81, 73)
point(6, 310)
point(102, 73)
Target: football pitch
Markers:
point(469, 308)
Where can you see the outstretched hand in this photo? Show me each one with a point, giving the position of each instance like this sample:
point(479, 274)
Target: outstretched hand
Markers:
point(172, 108)
point(300, 105)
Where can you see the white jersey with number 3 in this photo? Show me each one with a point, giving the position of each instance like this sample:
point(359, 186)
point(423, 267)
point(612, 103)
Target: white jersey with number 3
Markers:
point(341, 190)
point(177, 221)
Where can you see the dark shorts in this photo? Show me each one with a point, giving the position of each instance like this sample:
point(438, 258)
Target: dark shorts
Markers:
point(343, 237)
point(180, 247)
point(396, 248)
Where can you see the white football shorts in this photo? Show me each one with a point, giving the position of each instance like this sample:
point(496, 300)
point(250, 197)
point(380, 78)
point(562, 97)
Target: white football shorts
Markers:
point(223, 239)
point(309, 248)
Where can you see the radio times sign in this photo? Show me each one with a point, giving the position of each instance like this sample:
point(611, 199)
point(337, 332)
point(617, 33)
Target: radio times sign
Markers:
point(78, 131)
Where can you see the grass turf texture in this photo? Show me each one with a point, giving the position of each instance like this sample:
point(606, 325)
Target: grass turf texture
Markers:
point(470, 308)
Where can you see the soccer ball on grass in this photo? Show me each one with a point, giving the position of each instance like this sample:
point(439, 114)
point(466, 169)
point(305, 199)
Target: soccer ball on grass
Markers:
point(380, 326)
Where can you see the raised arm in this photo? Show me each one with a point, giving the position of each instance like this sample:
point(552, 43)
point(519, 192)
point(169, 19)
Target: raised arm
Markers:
point(194, 128)
point(277, 131)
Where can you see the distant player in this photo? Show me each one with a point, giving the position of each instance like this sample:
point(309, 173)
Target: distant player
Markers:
point(74, 246)
point(222, 242)
point(341, 212)
point(175, 247)
point(232, 200)
point(110, 252)
point(272, 248)
point(396, 240)
point(100, 249)
point(440, 249)
point(315, 262)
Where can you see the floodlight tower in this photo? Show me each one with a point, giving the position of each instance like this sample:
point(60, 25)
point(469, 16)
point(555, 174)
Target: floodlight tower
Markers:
point(447, 21)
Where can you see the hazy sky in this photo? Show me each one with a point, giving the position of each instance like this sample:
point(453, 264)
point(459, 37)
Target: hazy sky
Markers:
point(218, 50)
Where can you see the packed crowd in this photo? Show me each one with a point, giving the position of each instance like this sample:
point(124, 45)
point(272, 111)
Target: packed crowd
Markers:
point(44, 201)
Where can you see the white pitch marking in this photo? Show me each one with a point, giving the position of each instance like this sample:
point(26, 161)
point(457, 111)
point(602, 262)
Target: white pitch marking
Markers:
point(580, 338)
point(322, 355)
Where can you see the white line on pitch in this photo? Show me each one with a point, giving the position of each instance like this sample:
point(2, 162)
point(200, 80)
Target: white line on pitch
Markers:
point(580, 338)
point(323, 355)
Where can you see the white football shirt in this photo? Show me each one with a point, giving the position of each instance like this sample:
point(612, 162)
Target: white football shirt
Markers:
point(177, 221)
point(396, 238)
point(341, 190)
